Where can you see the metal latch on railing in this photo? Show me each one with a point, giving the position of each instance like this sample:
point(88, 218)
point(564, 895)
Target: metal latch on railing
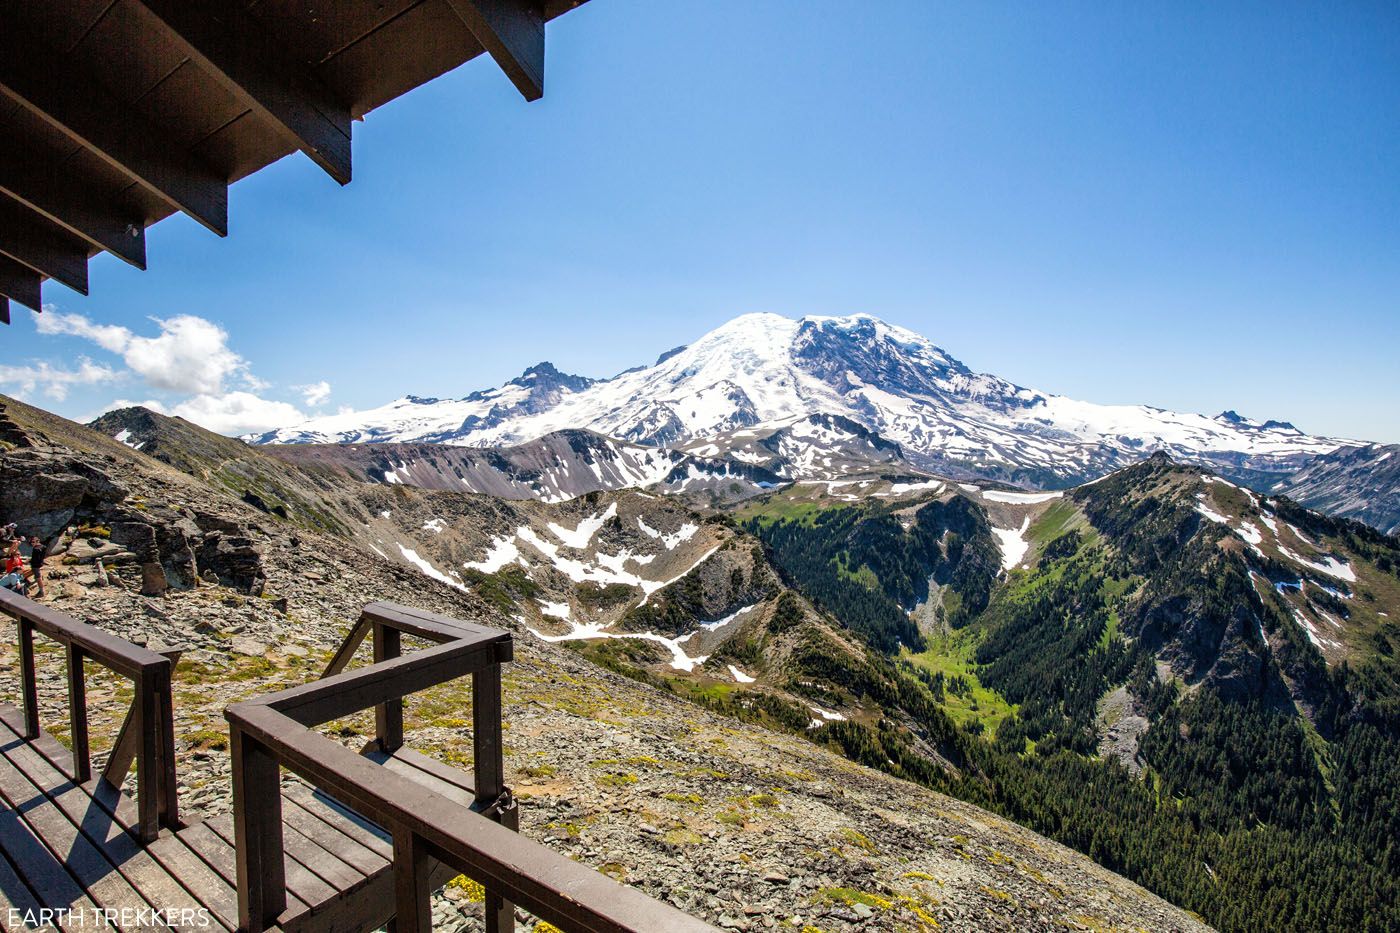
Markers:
point(502, 804)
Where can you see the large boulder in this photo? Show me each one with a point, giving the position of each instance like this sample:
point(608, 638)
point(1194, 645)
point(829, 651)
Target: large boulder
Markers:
point(41, 494)
point(140, 539)
point(234, 560)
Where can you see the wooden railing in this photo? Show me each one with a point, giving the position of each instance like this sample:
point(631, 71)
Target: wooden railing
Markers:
point(148, 734)
point(276, 731)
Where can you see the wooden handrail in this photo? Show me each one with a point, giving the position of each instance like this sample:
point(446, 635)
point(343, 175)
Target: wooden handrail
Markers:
point(149, 729)
point(272, 732)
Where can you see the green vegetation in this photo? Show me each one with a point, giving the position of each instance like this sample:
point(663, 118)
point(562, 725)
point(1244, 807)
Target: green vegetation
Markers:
point(504, 589)
point(953, 677)
point(1247, 814)
point(867, 569)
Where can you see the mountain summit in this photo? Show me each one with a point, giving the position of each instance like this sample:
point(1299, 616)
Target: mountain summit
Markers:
point(762, 372)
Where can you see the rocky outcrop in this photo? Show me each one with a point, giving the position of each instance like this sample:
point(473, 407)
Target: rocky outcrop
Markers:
point(87, 515)
point(43, 493)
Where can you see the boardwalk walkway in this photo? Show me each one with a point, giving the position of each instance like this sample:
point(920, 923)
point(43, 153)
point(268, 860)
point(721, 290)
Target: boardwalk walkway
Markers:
point(344, 843)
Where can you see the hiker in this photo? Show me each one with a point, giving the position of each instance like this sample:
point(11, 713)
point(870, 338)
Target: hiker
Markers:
point(38, 553)
point(13, 575)
point(13, 562)
point(7, 534)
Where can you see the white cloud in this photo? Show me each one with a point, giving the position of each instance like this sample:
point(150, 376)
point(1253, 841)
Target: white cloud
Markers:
point(53, 381)
point(189, 355)
point(155, 405)
point(238, 413)
point(316, 393)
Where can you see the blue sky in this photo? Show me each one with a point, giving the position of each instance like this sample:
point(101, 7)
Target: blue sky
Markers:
point(1193, 205)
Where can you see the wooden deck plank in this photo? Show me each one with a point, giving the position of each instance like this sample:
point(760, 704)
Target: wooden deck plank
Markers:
point(87, 866)
point(302, 883)
point(348, 849)
point(103, 830)
point(438, 769)
point(320, 861)
point(422, 770)
point(14, 893)
point(179, 859)
point(218, 855)
point(344, 819)
point(209, 888)
point(42, 874)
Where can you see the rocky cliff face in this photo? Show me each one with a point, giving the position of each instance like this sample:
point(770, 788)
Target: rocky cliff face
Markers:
point(744, 826)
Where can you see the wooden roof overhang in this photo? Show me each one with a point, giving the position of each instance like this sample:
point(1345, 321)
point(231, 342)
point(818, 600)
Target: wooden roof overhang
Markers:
point(115, 114)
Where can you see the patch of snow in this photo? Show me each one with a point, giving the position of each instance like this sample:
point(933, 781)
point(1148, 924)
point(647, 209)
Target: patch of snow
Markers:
point(1330, 566)
point(669, 541)
point(428, 569)
point(899, 489)
point(1019, 498)
point(968, 487)
point(385, 514)
point(1013, 543)
point(826, 717)
point(1312, 632)
point(739, 676)
point(124, 436)
point(721, 623)
point(679, 659)
point(1302, 537)
point(503, 550)
point(558, 610)
point(435, 525)
point(1211, 514)
point(579, 537)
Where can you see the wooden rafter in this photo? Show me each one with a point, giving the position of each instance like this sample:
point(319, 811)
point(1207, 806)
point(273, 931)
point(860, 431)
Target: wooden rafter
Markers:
point(19, 283)
point(114, 115)
point(237, 50)
point(43, 245)
point(71, 202)
point(56, 87)
point(512, 31)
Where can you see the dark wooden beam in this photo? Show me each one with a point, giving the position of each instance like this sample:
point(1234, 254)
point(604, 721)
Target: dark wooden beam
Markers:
point(55, 86)
point(4, 310)
point(20, 284)
point(70, 202)
point(42, 245)
point(513, 32)
point(240, 52)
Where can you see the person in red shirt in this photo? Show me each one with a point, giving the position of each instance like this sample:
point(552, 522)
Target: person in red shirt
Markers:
point(13, 562)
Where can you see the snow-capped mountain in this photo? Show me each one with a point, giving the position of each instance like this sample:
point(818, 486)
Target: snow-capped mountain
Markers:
point(1354, 482)
point(764, 373)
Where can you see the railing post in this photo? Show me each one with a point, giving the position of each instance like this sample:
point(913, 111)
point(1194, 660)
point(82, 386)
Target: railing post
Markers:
point(489, 766)
point(167, 793)
point(257, 833)
point(28, 686)
point(147, 759)
point(388, 716)
point(413, 912)
point(77, 716)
